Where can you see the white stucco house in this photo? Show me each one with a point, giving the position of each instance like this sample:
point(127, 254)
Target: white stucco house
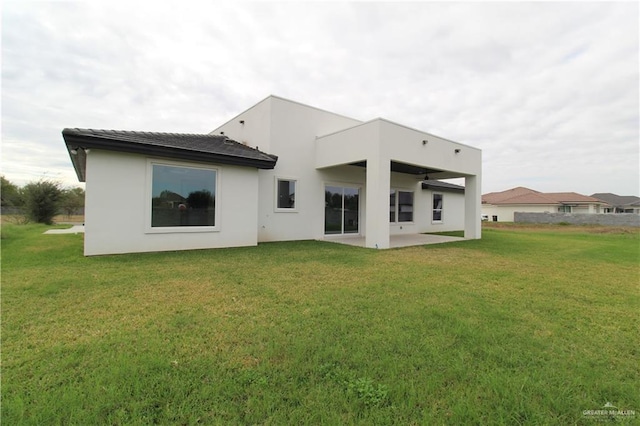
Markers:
point(278, 171)
point(619, 203)
point(501, 206)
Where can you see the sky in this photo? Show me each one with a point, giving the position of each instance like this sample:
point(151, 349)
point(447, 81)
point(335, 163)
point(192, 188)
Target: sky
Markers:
point(548, 90)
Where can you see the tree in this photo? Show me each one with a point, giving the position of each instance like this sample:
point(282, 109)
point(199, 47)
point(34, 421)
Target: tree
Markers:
point(10, 193)
point(200, 199)
point(42, 200)
point(72, 200)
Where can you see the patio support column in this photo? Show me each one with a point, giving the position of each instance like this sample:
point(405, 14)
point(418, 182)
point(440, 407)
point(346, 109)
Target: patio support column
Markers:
point(377, 203)
point(472, 207)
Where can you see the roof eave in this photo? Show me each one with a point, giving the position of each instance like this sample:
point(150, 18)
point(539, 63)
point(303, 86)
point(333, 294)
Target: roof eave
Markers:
point(442, 188)
point(75, 142)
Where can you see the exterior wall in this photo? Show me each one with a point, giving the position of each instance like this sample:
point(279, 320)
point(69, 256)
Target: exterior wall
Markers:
point(506, 213)
point(622, 219)
point(256, 129)
point(295, 135)
point(293, 129)
point(117, 199)
point(453, 211)
point(398, 143)
point(586, 208)
point(404, 144)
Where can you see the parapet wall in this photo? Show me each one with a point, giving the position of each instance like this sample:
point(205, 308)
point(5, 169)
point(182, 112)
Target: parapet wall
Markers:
point(610, 219)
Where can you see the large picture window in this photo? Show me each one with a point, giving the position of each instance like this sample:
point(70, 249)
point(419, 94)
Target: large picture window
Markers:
point(437, 208)
point(182, 196)
point(400, 206)
point(286, 194)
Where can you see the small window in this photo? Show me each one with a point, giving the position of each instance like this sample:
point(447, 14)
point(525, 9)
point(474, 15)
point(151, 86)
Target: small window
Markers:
point(437, 208)
point(564, 209)
point(400, 206)
point(286, 194)
point(182, 196)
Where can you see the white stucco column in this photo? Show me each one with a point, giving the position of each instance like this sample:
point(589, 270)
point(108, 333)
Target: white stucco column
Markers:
point(472, 207)
point(377, 203)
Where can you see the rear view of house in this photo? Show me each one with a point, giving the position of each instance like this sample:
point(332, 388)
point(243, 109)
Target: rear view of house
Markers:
point(278, 171)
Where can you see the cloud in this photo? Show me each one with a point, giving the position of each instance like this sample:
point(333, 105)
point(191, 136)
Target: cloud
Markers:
point(547, 90)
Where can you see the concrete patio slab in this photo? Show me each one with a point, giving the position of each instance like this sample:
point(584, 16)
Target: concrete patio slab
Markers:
point(395, 241)
point(76, 229)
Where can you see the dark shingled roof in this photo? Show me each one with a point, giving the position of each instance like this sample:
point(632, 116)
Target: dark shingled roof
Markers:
point(195, 147)
point(442, 186)
point(616, 200)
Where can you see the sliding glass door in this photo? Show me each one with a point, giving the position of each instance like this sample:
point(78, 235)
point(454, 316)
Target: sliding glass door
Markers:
point(342, 210)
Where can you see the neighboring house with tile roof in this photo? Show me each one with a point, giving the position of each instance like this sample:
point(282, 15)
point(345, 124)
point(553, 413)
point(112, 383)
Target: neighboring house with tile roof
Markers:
point(619, 203)
point(501, 206)
point(278, 171)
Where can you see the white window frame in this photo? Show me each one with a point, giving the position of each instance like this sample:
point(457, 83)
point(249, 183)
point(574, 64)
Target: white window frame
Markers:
point(397, 207)
point(149, 196)
point(276, 187)
point(433, 207)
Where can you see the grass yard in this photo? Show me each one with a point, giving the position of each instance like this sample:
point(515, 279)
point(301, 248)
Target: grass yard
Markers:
point(530, 325)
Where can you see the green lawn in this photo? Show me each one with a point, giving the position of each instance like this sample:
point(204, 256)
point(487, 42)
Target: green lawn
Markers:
point(526, 326)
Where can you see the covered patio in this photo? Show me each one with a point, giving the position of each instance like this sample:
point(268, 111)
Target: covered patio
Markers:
point(386, 149)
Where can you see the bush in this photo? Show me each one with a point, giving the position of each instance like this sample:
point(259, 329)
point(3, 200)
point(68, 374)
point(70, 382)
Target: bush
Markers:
point(10, 194)
point(72, 201)
point(42, 200)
